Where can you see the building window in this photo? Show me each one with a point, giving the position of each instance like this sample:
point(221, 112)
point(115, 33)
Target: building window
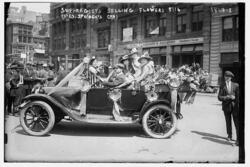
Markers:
point(20, 39)
point(162, 26)
point(123, 25)
point(72, 43)
point(103, 38)
point(63, 43)
point(155, 25)
point(83, 41)
point(29, 40)
point(78, 42)
point(197, 21)
point(181, 23)
point(230, 28)
point(133, 24)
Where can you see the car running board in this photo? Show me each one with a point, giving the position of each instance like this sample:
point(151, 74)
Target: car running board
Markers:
point(107, 119)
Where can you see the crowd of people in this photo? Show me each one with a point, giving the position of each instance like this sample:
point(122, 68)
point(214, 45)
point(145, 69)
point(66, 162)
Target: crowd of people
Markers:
point(22, 80)
point(132, 69)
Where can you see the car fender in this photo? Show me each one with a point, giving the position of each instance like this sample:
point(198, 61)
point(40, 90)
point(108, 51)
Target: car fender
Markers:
point(57, 107)
point(147, 105)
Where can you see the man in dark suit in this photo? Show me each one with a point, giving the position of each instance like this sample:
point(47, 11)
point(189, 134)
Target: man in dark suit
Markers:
point(229, 95)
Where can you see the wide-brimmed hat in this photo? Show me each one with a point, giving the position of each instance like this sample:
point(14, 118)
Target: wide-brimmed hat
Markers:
point(125, 57)
point(229, 74)
point(145, 56)
point(119, 65)
point(45, 65)
point(134, 50)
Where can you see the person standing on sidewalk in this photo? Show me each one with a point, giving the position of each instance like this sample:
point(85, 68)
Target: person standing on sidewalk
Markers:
point(229, 95)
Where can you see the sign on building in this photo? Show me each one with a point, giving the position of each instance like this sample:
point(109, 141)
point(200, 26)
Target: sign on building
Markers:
point(23, 55)
point(127, 34)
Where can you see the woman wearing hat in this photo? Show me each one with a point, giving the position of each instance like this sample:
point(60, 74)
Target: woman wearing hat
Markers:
point(146, 68)
point(117, 77)
point(126, 61)
point(135, 62)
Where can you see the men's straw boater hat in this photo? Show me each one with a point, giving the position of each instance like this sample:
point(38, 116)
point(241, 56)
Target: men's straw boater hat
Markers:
point(229, 74)
point(145, 56)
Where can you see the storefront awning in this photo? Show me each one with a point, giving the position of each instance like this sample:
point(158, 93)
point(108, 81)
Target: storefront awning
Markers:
point(41, 51)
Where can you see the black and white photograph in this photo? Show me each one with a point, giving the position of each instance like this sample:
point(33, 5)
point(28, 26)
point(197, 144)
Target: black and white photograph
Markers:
point(124, 82)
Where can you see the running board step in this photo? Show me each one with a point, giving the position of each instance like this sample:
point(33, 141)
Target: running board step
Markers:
point(96, 118)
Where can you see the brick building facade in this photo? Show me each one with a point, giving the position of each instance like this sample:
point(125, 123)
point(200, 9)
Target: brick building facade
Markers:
point(224, 39)
point(18, 40)
point(171, 38)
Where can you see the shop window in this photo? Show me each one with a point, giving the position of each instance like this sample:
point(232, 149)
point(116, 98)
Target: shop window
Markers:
point(197, 21)
point(181, 23)
point(230, 28)
point(103, 36)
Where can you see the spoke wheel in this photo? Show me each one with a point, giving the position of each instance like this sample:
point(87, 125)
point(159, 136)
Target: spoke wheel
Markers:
point(37, 118)
point(159, 122)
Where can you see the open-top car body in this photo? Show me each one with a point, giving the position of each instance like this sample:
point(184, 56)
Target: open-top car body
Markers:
point(154, 110)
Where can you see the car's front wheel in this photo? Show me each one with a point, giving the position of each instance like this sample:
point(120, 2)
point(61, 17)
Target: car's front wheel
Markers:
point(37, 118)
point(159, 121)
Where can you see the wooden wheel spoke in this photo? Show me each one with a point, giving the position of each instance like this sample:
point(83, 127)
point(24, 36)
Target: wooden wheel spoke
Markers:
point(151, 121)
point(31, 125)
point(167, 118)
point(41, 120)
point(153, 117)
point(44, 117)
point(40, 123)
point(153, 124)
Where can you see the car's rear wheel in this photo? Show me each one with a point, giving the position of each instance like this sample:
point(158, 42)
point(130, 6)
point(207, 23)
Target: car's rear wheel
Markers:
point(159, 121)
point(37, 118)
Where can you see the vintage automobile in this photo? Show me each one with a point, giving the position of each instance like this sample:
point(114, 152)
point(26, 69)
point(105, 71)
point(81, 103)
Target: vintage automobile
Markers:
point(155, 110)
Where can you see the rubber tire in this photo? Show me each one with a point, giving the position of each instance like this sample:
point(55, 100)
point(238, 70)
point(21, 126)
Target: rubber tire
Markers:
point(148, 131)
point(51, 120)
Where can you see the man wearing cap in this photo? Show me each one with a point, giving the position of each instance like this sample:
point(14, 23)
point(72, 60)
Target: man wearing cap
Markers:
point(229, 95)
point(16, 86)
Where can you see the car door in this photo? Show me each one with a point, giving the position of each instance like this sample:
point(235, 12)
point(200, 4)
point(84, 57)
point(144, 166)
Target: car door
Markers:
point(132, 101)
point(98, 101)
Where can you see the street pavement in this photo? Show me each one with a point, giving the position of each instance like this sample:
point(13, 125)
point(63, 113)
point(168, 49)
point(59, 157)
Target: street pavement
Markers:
point(200, 137)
